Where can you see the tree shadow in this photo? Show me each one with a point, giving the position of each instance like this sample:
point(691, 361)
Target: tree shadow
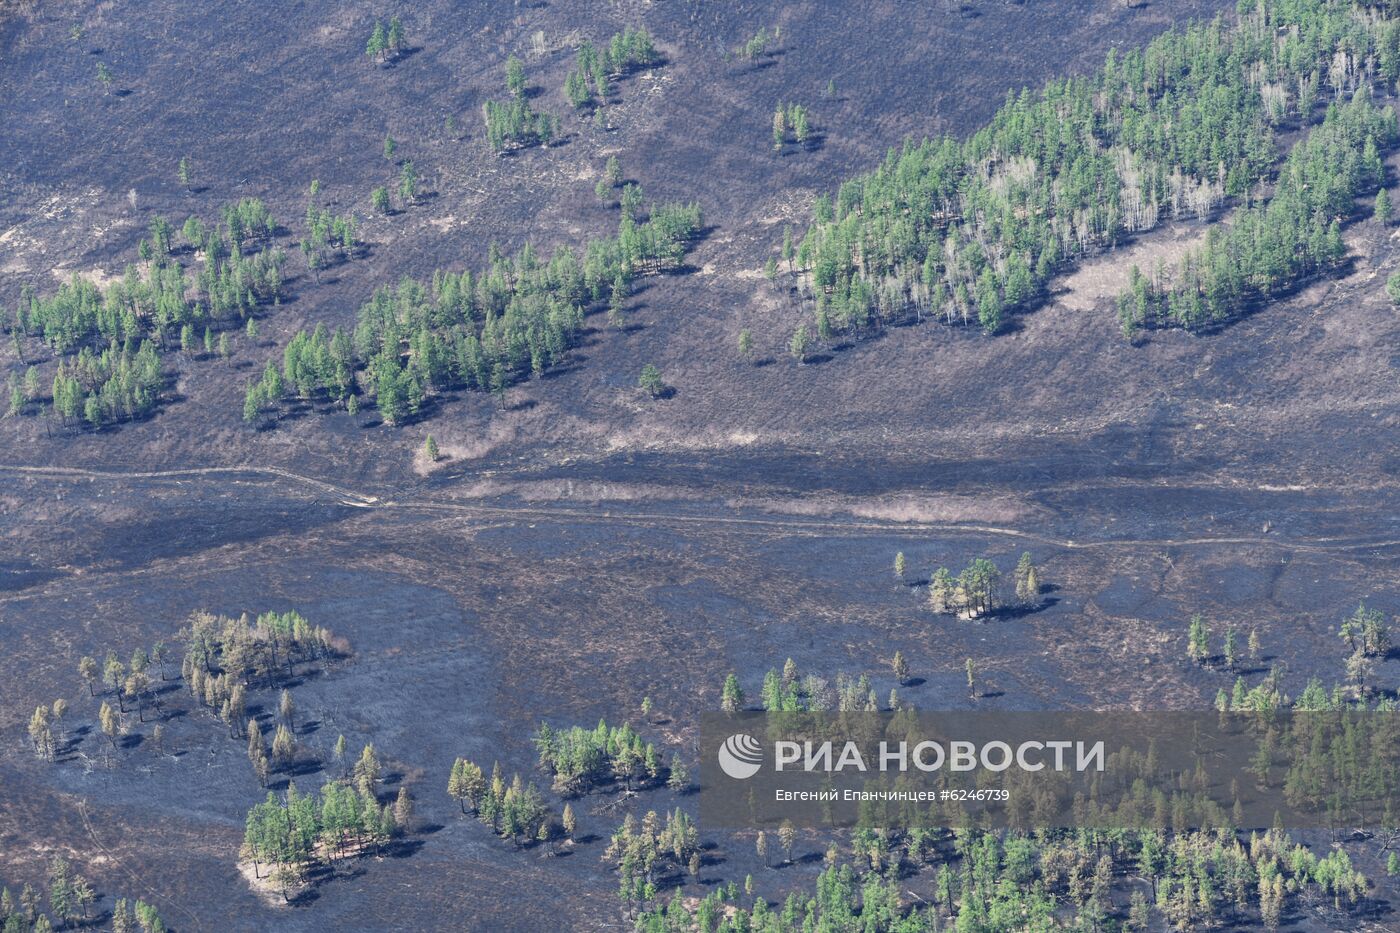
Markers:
point(403, 848)
point(1020, 612)
point(757, 65)
point(554, 372)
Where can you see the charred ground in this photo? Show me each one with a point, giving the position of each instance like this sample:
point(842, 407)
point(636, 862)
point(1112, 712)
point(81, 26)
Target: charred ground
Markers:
point(583, 546)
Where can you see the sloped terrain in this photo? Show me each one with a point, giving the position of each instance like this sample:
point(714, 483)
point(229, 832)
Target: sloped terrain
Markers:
point(581, 545)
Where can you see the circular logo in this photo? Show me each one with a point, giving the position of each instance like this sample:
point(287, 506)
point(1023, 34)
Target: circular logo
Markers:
point(740, 756)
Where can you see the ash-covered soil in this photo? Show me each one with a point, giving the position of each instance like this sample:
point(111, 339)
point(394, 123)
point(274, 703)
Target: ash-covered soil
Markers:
point(584, 547)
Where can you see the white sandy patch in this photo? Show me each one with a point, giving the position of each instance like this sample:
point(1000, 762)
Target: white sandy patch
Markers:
point(655, 438)
point(914, 509)
point(96, 276)
point(1105, 277)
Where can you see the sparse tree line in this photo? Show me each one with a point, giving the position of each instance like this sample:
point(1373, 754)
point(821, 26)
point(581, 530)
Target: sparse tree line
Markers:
point(1001, 882)
point(973, 230)
point(1365, 632)
point(589, 82)
point(790, 691)
point(118, 331)
point(484, 331)
point(72, 904)
point(1232, 649)
point(224, 659)
point(136, 681)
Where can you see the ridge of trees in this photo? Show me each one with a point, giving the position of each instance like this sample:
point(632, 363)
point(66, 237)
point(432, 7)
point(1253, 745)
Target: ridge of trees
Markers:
point(973, 230)
point(486, 331)
point(1270, 247)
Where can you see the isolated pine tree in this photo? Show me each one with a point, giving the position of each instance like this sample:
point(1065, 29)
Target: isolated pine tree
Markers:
point(1198, 640)
point(746, 344)
point(651, 380)
point(395, 39)
point(731, 698)
point(515, 77)
point(679, 778)
point(797, 346)
point(377, 43)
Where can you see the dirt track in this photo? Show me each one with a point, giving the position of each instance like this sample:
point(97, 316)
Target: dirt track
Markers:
point(582, 547)
point(566, 513)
